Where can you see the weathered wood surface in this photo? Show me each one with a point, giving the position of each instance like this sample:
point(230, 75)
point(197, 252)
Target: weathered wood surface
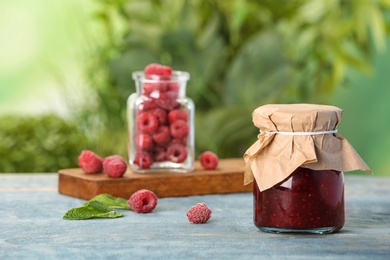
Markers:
point(227, 178)
point(31, 227)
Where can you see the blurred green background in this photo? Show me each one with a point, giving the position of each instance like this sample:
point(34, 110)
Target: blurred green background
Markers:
point(65, 71)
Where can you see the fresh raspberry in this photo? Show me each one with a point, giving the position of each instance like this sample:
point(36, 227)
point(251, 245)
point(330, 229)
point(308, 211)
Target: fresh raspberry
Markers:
point(147, 123)
point(199, 213)
point(147, 105)
point(114, 166)
point(182, 141)
point(179, 129)
point(177, 114)
point(143, 201)
point(177, 153)
point(167, 100)
point(209, 160)
point(148, 88)
point(153, 89)
point(173, 87)
point(161, 115)
point(143, 142)
point(158, 69)
point(159, 154)
point(143, 159)
point(162, 135)
point(90, 162)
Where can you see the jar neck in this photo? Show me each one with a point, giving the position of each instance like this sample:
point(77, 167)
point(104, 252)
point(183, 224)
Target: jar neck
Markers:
point(155, 85)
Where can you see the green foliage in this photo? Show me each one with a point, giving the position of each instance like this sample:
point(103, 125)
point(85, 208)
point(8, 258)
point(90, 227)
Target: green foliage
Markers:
point(92, 209)
point(240, 54)
point(39, 144)
point(100, 206)
point(325, 38)
point(225, 131)
point(111, 201)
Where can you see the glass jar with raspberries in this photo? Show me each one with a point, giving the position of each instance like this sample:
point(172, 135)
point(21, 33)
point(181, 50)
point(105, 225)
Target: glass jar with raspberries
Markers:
point(161, 121)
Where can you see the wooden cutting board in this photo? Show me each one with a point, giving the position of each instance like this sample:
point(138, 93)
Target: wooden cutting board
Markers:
point(227, 178)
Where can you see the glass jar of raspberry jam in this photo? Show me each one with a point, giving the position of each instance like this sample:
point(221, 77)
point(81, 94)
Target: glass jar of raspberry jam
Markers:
point(309, 201)
point(297, 168)
point(160, 123)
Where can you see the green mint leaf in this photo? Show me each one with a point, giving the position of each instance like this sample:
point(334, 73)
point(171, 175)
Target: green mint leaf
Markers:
point(111, 201)
point(91, 209)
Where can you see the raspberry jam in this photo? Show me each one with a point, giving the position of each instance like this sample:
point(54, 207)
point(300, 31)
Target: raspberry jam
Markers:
point(309, 201)
point(161, 122)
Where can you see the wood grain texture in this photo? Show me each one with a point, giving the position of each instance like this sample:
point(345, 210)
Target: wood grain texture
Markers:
point(227, 178)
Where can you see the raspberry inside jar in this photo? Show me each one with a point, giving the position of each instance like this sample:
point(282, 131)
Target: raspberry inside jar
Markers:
point(161, 122)
point(309, 201)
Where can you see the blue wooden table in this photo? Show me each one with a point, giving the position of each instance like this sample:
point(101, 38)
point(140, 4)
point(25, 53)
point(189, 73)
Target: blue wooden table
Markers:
point(31, 227)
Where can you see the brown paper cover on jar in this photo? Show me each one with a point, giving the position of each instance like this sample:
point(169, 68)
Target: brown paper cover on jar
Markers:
point(291, 136)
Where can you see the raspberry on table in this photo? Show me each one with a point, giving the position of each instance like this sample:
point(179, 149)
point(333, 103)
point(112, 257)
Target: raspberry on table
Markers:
point(90, 162)
point(143, 201)
point(144, 142)
point(179, 129)
point(147, 123)
point(177, 114)
point(209, 160)
point(177, 153)
point(143, 159)
point(199, 213)
point(114, 166)
point(158, 69)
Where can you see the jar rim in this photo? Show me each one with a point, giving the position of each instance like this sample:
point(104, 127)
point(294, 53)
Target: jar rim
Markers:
point(176, 76)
